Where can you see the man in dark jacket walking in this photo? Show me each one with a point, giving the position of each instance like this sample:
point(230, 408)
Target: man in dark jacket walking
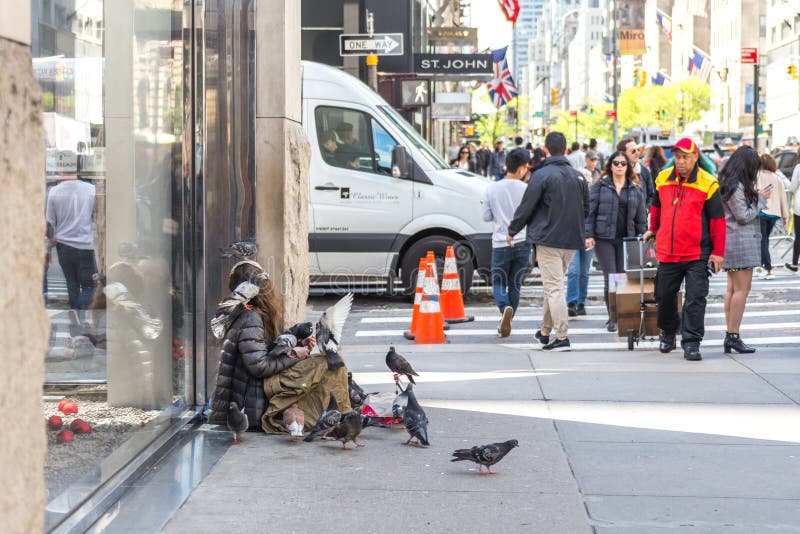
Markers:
point(554, 209)
point(497, 161)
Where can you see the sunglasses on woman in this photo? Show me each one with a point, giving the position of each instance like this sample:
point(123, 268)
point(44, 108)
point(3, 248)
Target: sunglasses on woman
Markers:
point(619, 163)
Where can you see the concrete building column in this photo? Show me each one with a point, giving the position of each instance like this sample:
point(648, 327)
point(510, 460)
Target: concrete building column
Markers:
point(282, 155)
point(24, 328)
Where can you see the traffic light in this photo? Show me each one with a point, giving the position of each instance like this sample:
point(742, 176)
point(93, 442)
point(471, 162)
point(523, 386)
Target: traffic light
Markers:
point(554, 100)
point(791, 71)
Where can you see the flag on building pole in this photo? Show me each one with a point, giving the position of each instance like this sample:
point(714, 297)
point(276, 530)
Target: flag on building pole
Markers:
point(699, 66)
point(698, 8)
point(659, 79)
point(510, 9)
point(665, 23)
point(501, 88)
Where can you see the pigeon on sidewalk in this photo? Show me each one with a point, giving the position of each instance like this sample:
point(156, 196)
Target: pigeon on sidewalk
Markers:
point(400, 403)
point(399, 366)
point(237, 422)
point(348, 429)
point(327, 421)
point(415, 419)
point(293, 420)
point(241, 250)
point(487, 455)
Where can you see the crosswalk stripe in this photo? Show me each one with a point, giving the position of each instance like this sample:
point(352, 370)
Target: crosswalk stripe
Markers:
point(454, 332)
point(496, 317)
point(648, 344)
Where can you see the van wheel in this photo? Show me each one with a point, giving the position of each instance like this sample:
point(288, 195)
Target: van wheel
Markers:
point(409, 265)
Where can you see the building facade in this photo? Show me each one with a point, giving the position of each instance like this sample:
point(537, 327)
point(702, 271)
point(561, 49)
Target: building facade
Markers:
point(175, 128)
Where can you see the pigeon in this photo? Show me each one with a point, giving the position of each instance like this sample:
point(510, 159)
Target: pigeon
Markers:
point(399, 366)
point(293, 420)
point(415, 419)
point(237, 422)
point(400, 403)
point(487, 455)
point(230, 308)
point(348, 429)
point(357, 395)
point(368, 420)
point(241, 250)
point(327, 421)
point(329, 331)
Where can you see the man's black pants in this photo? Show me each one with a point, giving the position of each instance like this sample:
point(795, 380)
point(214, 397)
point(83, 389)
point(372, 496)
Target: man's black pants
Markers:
point(668, 282)
point(78, 266)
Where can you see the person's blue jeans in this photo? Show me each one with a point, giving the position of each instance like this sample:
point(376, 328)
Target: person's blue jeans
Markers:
point(509, 265)
point(578, 276)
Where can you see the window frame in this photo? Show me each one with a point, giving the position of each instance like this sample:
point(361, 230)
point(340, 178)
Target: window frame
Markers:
point(369, 131)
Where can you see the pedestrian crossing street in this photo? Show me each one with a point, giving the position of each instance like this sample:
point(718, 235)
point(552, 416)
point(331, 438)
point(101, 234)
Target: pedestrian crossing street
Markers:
point(768, 321)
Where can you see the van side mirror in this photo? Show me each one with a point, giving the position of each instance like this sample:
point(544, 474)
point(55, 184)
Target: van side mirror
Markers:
point(400, 162)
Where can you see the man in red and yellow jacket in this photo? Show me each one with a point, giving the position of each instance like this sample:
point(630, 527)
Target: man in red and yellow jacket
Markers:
point(688, 222)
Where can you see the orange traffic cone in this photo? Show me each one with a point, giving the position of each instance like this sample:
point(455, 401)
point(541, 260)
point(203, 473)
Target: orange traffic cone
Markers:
point(430, 324)
point(431, 258)
point(409, 334)
point(452, 301)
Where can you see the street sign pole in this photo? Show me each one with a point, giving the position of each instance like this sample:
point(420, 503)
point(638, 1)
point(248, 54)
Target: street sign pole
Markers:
point(755, 105)
point(372, 59)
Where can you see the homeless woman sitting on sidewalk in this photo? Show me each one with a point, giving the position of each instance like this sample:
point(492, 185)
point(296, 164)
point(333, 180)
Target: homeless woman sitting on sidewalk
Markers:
point(265, 372)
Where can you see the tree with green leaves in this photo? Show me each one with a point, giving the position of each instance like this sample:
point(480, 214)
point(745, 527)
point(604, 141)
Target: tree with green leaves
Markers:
point(491, 127)
point(591, 123)
point(665, 106)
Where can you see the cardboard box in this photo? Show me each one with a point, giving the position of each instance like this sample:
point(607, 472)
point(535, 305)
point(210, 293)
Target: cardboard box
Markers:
point(628, 309)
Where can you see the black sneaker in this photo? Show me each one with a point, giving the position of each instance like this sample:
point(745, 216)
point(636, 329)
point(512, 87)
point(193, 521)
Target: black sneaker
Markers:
point(791, 267)
point(558, 345)
point(611, 327)
point(666, 343)
point(505, 323)
point(572, 310)
point(544, 340)
point(581, 309)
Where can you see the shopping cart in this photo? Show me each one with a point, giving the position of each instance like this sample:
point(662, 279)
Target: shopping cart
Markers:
point(640, 266)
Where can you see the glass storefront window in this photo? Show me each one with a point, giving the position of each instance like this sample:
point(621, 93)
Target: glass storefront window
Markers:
point(119, 364)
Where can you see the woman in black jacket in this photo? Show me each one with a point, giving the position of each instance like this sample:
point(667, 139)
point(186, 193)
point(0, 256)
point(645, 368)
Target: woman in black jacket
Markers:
point(616, 211)
point(253, 354)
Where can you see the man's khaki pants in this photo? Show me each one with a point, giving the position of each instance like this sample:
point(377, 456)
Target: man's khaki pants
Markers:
point(553, 263)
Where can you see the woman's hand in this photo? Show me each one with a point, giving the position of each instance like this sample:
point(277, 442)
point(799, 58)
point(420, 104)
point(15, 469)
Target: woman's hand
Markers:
point(589, 243)
point(299, 353)
point(309, 342)
point(766, 193)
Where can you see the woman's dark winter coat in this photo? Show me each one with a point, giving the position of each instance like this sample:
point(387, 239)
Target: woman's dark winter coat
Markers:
point(247, 358)
point(604, 208)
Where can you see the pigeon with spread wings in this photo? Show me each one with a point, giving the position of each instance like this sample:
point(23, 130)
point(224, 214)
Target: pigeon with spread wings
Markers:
point(329, 330)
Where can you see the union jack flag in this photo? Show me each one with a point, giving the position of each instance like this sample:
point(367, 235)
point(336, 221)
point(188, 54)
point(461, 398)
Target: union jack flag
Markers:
point(501, 88)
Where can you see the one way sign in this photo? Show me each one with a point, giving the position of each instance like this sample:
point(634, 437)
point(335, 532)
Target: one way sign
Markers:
point(380, 44)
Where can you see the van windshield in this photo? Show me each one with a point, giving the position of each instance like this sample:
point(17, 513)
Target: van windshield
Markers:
point(431, 155)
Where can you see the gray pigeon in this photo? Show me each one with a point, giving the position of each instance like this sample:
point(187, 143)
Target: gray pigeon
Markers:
point(241, 250)
point(327, 421)
point(348, 429)
point(487, 455)
point(399, 366)
point(400, 403)
point(329, 331)
point(357, 394)
point(415, 419)
point(237, 422)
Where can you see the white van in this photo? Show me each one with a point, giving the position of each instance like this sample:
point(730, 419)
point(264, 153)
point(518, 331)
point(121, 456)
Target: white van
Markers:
point(380, 195)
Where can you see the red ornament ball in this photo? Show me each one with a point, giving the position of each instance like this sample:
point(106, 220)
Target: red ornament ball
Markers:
point(54, 422)
point(65, 436)
point(68, 408)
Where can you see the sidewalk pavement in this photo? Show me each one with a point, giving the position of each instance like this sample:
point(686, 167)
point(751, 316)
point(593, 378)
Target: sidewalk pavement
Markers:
point(630, 442)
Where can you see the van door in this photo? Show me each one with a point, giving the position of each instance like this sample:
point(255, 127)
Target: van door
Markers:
point(358, 205)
